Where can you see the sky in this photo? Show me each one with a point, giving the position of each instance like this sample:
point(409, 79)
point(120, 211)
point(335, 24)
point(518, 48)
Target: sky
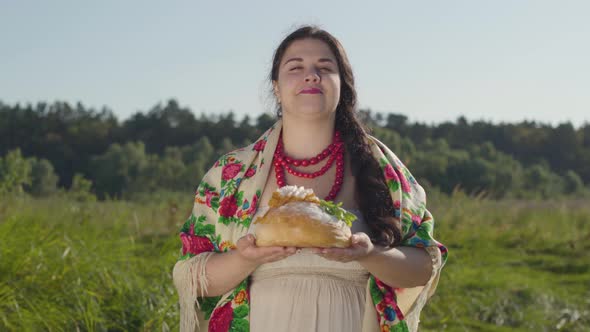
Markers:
point(433, 61)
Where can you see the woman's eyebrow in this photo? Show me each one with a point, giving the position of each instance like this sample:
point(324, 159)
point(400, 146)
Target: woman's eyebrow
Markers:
point(301, 60)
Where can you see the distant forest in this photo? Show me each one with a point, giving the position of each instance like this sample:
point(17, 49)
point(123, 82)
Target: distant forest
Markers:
point(46, 148)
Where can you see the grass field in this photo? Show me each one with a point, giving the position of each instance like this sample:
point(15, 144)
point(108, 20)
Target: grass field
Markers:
point(97, 266)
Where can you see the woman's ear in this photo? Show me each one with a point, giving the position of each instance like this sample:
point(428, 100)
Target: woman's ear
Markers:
point(275, 88)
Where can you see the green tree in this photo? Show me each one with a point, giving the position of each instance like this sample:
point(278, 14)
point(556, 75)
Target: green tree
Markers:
point(225, 147)
point(540, 182)
point(81, 189)
point(264, 121)
point(15, 172)
point(202, 151)
point(118, 167)
point(43, 178)
point(572, 183)
point(161, 173)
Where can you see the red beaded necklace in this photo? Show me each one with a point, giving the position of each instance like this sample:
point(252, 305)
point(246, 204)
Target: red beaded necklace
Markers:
point(334, 152)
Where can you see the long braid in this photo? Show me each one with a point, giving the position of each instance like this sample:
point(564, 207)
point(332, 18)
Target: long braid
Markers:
point(372, 193)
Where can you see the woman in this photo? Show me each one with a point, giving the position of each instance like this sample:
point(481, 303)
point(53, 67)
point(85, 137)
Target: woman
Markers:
point(381, 283)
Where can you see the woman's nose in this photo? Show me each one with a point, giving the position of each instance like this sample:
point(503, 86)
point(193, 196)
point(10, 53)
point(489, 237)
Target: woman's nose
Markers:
point(312, 76)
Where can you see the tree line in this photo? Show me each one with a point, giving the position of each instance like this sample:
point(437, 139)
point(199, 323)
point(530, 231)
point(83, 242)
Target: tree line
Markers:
point(45, 147)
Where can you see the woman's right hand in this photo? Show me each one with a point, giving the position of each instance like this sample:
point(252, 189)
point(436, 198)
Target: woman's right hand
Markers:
point(250, 252)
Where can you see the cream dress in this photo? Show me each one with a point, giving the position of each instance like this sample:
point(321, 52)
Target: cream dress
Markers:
point(305, 292)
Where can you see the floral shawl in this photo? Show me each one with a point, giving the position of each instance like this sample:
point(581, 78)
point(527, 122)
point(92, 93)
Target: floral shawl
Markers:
point(227, 199)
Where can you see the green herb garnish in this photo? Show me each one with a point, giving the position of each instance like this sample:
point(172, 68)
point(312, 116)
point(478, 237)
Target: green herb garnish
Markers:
point(338, 212)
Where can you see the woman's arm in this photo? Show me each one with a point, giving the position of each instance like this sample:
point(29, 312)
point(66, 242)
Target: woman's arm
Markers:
point(399, 267)
point(225, 271)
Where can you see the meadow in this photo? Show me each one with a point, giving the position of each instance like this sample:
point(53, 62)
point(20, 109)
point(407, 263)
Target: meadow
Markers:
point(107, 266)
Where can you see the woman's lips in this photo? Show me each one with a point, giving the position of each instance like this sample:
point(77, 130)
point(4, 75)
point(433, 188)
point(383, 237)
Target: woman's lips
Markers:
point(311, 91)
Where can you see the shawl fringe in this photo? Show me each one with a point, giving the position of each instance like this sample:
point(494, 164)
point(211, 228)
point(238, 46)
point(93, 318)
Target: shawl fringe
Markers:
point(190, 277)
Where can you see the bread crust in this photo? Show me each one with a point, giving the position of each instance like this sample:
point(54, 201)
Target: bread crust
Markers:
point(301, 223)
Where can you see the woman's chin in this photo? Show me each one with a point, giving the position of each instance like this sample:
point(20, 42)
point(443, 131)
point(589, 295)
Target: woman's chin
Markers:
point(311, 111)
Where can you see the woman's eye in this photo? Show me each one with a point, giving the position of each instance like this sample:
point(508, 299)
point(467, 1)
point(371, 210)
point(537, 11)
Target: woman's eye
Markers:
point(322, 69)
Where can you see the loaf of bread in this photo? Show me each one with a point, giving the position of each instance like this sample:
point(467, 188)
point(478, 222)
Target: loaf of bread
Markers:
point(296, 217)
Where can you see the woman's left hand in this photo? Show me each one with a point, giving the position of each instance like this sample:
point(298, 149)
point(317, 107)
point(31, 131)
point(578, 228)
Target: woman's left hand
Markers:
point(361, 247)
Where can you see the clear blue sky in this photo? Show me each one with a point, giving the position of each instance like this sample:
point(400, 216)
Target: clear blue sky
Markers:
point(430, 60)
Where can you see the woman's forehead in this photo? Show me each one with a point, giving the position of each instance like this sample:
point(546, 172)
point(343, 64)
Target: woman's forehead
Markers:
point(308, 49)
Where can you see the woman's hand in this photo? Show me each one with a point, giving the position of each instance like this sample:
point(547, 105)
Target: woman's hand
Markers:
point(252, 254)
point(361, 247)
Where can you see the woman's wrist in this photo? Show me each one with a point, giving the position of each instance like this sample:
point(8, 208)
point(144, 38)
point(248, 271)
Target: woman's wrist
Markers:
point(375, 251)
point(243, 262)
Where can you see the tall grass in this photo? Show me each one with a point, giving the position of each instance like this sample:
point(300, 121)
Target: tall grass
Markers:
point(513, 266)
point(98, 266)
point(86, 266)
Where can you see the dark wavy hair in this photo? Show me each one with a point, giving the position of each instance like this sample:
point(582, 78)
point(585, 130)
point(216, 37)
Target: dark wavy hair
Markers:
point(372, 193)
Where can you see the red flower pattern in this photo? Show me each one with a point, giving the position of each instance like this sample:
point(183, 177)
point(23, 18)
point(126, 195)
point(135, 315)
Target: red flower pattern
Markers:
point(388, 299)
point(405, 185)
point(416, 219)
point(390, 173)
point(250, 173)
point(228, 206)
point(195, 244)
point(230, 171)
point(259, 146)
point(221, 318)
point(252, 208)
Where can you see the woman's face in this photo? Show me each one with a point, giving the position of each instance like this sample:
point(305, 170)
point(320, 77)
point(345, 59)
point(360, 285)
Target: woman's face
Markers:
point(308, 64)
